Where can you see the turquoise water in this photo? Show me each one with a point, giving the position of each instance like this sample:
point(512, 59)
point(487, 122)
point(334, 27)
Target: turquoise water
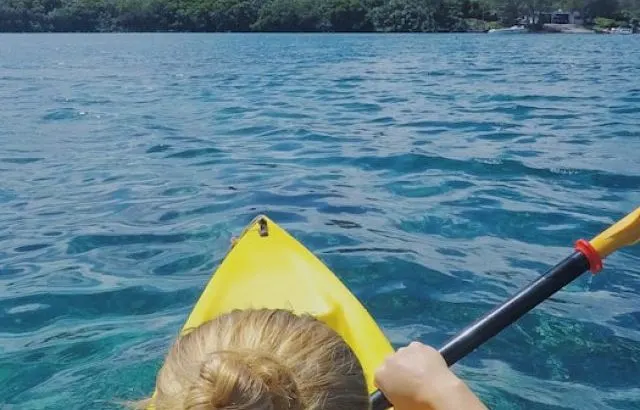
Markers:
point(435, 174)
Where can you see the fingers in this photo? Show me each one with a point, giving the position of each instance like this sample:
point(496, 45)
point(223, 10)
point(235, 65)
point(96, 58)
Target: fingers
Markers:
point(414, 359)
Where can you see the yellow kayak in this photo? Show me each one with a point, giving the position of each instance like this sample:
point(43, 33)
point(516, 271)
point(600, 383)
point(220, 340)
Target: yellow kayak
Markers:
point(267, 268)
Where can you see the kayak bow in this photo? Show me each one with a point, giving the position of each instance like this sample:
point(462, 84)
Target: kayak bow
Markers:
point(267, 268)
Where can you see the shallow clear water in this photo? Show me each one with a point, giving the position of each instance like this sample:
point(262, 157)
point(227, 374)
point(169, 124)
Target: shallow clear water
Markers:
point(435, 174)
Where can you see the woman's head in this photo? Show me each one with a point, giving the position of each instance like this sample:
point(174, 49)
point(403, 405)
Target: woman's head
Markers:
point(261, 360)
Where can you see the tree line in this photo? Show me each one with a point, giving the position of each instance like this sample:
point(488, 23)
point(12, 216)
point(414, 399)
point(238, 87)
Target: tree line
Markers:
point(290, 15)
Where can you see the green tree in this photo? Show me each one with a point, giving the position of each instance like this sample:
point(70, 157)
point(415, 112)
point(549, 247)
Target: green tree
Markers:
point(288, 15)
point(404, 15)
point(144, 15)
point(601, 8)
point(509, 11)
point(84, 15)
point(347, 15)
point(449, 16)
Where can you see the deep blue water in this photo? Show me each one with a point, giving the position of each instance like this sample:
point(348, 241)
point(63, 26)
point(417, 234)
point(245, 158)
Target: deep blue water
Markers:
point(435, 174)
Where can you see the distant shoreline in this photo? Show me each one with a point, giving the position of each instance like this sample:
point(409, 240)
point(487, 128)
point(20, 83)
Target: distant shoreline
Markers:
point(542, 32)
point(310, 16)
point(545, 30)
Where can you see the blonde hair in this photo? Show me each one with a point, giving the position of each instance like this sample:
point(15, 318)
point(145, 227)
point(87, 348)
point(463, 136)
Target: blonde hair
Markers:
point(261, 360)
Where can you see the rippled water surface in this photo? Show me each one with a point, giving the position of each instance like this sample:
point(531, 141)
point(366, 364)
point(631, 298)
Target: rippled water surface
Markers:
point(435, 174)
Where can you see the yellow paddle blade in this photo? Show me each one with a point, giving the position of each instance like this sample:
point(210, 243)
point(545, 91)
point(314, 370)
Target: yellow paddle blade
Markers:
point(268, 268)
point(625, 232)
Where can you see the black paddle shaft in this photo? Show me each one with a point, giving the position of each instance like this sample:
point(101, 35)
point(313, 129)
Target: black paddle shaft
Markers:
point(502, 316)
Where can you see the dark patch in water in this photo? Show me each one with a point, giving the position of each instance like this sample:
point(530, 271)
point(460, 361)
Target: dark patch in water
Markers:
point(142, 255)
point(344, 224)
point(20, 160)
point(167, 216)
point(193, 153)
point(61, 114)
point(30, 248)
point(158, 148)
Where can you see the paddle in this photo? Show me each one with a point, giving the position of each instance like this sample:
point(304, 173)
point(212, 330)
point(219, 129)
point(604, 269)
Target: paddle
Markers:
point(587, 256)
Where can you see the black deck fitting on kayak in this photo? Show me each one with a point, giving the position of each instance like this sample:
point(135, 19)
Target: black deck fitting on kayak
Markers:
point(264, 229)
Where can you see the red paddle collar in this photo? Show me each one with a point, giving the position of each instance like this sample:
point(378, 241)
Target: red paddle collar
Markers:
point(595, 261)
